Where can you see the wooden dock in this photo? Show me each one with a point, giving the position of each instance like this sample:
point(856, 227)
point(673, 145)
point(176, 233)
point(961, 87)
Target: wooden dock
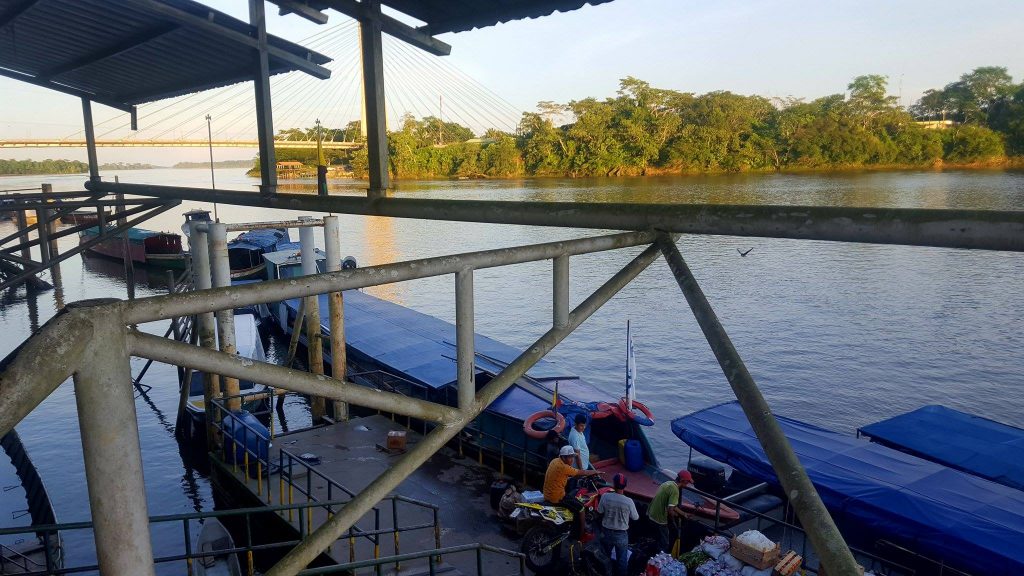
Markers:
point(444, 503)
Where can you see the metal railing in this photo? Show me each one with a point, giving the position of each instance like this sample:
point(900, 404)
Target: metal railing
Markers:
point(432, 557)
point(257, 464)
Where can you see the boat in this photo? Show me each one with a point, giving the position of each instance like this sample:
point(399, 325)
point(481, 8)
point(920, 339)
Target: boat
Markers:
point(249, 344)
point(20, 554)
point(398, 349)
point(216, 541)
point(880, 498)
point(143, 247)
point(245, 252)
point(84, 217)
point(969, 443)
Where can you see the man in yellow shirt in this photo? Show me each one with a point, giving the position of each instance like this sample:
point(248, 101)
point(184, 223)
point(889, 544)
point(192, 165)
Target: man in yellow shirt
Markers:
point(558, 473)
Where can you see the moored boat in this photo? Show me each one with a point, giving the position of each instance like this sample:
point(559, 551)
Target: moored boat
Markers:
point(395, 348)
point(20, 554)
point(143, 247)
point(83, 217)
point(882, 499)
point(245, 252)
point(213, 548)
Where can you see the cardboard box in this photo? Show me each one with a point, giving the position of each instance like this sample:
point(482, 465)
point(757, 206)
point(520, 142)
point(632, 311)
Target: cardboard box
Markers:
point(755, 558)
point(396, 440)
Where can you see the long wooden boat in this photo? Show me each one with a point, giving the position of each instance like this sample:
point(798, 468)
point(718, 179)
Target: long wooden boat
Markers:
point(393, 347)
point(143, 247)
point(83, 217)
point(18, 554)
point(213, 545)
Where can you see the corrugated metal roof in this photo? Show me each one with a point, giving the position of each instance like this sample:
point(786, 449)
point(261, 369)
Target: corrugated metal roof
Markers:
point(126, 52)
point(442, 16)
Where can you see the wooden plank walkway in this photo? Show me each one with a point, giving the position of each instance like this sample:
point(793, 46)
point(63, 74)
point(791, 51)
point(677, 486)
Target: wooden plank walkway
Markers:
point(349, 459)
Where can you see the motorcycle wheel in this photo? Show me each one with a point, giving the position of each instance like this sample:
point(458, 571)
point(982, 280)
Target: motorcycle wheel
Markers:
point(535, 541)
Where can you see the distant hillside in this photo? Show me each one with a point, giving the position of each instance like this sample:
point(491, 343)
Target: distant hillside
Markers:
point(47, 166)
point(221, 164)
point(127, 166)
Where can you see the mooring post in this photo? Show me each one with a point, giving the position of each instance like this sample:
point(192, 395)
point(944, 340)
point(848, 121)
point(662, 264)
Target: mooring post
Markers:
point(26, 252)
point(825, 537)
point(43, 226)
point(336, 305)
point(560, 291)
point(465, 351)
point(220, 271)
point(51, 224)
point(113, 456)
point(314, 343)
point(126, 250)
point(198, 242)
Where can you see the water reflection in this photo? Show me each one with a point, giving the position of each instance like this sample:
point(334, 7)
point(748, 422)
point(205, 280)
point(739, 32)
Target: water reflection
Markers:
point(382, 248)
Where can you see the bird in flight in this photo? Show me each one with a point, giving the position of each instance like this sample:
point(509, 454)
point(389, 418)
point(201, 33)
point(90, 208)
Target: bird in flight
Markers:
point(745, 253)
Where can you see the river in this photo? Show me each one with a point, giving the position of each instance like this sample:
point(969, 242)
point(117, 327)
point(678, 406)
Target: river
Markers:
point(837, 334)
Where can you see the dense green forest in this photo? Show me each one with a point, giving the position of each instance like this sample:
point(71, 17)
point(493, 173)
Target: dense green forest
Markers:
point(648, 130)
point(42, 166)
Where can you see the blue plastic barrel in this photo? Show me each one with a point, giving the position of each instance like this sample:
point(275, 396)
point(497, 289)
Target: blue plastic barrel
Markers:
point(634, 456)
point(244, 431)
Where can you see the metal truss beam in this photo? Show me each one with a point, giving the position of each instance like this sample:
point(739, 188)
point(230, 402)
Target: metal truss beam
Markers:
point(980, 229)
point(124, 106)
point(418, 38)
point(110, 51)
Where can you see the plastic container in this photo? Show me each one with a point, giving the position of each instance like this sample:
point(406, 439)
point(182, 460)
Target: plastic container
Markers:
point(241, 438)
point(622, 451)
point(634, 455)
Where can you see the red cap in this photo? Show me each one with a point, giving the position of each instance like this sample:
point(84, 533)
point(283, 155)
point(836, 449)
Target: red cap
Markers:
point(684, 476)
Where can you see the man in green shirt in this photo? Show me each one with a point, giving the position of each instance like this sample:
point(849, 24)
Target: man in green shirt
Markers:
point(665, 505)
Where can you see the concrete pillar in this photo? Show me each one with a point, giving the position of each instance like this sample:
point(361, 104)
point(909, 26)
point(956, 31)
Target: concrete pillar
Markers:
point(465, 351)
point(220, 271)
point(198, 245)
point(336, 303)
point(314, 344)
point(113, 457)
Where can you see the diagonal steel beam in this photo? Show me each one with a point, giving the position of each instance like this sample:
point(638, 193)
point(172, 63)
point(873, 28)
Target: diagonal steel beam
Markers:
point(318, 541)
point(814, 517)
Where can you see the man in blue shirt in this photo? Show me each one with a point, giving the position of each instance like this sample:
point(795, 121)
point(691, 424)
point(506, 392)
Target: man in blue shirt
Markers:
point(578, 441)
point(616, 510)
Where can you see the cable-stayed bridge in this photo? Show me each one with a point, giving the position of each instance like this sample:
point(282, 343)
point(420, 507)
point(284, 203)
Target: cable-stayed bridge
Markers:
point(418, 85)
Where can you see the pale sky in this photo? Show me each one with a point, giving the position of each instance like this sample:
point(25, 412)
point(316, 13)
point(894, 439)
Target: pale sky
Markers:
point(784, 48)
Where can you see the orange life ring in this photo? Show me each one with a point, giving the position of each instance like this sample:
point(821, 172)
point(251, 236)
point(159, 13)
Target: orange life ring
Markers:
point(624, 406)
point(540, 434)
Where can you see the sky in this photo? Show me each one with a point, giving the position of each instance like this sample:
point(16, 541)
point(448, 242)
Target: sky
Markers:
point(782, 48)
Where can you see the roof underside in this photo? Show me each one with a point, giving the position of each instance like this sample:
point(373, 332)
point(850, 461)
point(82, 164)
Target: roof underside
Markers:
point(126, 52)
point(442, 16)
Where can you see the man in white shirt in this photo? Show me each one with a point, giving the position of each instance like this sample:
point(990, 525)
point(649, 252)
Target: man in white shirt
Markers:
point(579, 441)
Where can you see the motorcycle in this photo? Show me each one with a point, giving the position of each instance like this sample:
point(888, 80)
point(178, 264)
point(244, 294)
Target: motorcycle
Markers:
point(553, 524)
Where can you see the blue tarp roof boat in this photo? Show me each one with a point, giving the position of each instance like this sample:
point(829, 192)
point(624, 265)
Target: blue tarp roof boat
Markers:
point(969, 443)
point(968, 522)
point(246, 251)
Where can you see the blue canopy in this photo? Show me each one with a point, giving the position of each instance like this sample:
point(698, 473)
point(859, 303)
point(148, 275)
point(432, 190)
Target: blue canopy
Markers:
point(266, 240)
point(973, 444)
point(422, 348)
point(968, 522)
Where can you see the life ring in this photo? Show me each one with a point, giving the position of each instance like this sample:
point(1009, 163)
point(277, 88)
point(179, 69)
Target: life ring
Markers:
point(540, 434)
point(603, 410)
point(645, 418)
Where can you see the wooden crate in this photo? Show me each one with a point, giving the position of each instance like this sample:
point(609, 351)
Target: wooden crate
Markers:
point(755, 558)
point(789, 564)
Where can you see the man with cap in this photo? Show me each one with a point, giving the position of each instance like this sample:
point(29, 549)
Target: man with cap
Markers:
point(616, 510)
point(665, 505)
point(558, 473)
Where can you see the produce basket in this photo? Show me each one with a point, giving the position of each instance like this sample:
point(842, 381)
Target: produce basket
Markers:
point(752, 556)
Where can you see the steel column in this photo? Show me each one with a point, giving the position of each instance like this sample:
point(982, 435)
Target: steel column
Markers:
point(560, 291)
point(465, 352)
point(373, 98)
point(198, 242)
point(90, 141)
point(310, 547)
point(825, 537)
point(220, 272)
point(982, 229)
point(336, 305)
point(113, 456)
point(314, 341)
point(264, 113)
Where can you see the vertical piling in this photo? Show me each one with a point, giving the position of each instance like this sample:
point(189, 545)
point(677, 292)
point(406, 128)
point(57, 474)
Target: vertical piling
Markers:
point(126, 250)
point(314, 344)
point(198, 245)
point(220, 272)
point(825, 537)
point(465, 352)
point(336, 304)
point(560, 291)
point(26, 253)
point(43, 232)
point(51, 226)
point(373, 98)
point(113, 456)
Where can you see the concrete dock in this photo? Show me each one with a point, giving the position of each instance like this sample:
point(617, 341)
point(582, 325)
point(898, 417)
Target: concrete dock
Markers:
point(349, 456)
